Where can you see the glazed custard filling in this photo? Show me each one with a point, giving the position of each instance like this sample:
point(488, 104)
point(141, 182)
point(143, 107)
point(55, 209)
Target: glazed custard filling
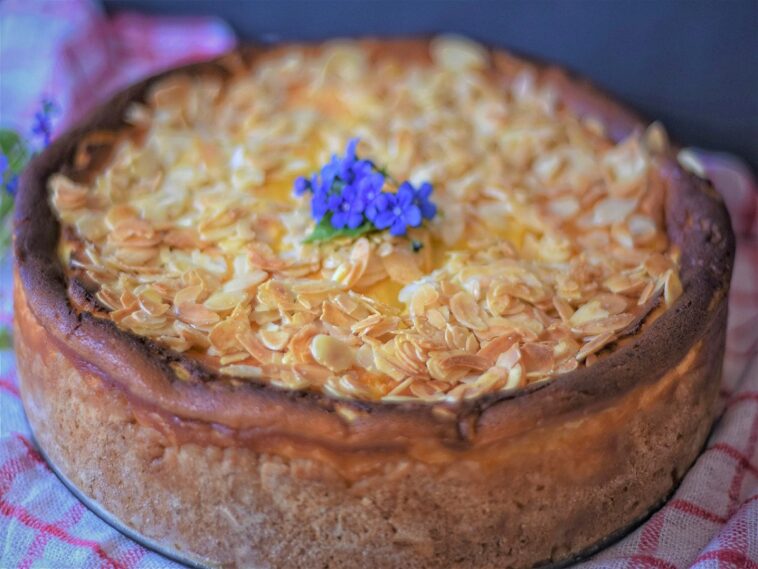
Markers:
point(547, 247)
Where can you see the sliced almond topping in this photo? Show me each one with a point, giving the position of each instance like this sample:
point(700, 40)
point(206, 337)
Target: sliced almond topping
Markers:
point(595, 345)
point(332, 353)
point(672, 287)
point(547, 247)
point(466, 311)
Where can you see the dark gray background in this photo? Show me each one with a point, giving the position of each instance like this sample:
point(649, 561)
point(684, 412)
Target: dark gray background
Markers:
point(693, 64)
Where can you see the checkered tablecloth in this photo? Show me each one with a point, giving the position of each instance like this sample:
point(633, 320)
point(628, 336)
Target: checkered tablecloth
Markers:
point(68, 50)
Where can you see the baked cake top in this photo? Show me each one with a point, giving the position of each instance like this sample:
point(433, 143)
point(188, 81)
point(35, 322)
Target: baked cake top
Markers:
point(547, 244)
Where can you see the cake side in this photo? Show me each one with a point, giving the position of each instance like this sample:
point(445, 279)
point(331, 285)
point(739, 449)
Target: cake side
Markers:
point(541, 496)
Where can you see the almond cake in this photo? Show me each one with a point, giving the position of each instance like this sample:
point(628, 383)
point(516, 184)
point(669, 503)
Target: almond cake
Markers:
point(371, 303)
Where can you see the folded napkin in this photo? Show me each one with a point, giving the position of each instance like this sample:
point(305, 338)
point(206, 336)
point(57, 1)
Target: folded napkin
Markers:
point(68, 50)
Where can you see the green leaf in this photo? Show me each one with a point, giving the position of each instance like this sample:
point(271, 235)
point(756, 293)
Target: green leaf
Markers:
point(325, 232)
point(6, 338)
point(6, 234)
point(6, 204)
point(12, 145)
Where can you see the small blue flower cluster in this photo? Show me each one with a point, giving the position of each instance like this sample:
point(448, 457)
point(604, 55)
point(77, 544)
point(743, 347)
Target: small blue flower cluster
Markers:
point(14, 157)
point(348, 191)
point(42, 127)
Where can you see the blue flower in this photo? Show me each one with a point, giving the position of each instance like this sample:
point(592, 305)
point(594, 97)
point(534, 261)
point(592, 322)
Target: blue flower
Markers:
point(346, 165)
point(302, 185)
point(421, 199)
point(347, 193)
point(397, 211)
point(12, 185)
point(350, 211)
point(327, 177)
point(319, 204)
point(43, 122)
point(369, 189)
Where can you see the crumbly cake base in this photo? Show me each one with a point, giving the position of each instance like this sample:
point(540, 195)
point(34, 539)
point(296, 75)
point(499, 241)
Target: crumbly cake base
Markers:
point(558, 490)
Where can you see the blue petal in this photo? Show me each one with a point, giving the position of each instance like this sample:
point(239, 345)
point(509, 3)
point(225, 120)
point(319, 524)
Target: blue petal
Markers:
point(334, 201)
point(384, 219)
point(405, 195)
point(339, 220)
point(349, 193)
point(12, 185)
point(412, 216)
point(428, 209)
point(425, 191)
point(398, 227)
point(372, 211)
point(354, 220)
point(351, 147)
point(384, 201)
point(302, 185)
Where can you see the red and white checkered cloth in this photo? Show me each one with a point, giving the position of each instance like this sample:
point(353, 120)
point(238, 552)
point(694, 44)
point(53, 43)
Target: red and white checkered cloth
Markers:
point(78, 57)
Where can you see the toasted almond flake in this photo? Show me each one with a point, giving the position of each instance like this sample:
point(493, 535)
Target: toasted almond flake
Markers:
point(400, 387)
point(537, 358)
point(221, 300)
point(467, 361)
point(311, 374)
point(425, 390)
point(67, 194)
point(401, 267)
point(515, 375)
point(196, 314)
point(188, 295)
point(610, 324)
point(360, 255)
point(690, 162)
point(223, 336)
point(248, 372)
point(233, 358)
point(657, 264)
point(625, 284)
point(595, 345)
point(246, 281)
point(254, 346)
point(275, 340)
point(642, 228)
point(672, 287)
point(646, 293)
point(436, 319)
point(457, 52)
point(509, 358)
point(490, 379)
point(332, 353)
point(564, 308)
point(593, 310)
point(466, 311)
point(493, 348)
point(612, 210)
point(347, 413)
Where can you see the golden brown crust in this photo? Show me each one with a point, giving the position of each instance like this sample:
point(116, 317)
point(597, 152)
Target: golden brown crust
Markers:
point(636, 424)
